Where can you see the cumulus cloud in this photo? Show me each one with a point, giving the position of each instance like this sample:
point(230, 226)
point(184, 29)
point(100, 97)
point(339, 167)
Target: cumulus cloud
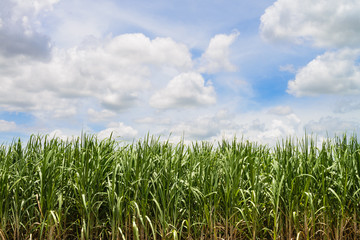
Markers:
point(101, 77)
point(118, 130)
point(331, 23)
point(200, 129)
point(327, 24)
point(330, 73)
point(100, 116)
point(216, 56)
point(331, 126)
point(20, 32)
point(280, 128)
point(6, 126)
point(35, 45)
point(205, 127)
point(248, 126)
point(184, 90)
point(114, 72)
point(64, 135)
point(260, 128)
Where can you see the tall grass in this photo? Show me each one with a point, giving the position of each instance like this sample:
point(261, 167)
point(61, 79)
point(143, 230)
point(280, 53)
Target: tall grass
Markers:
point(91, 189)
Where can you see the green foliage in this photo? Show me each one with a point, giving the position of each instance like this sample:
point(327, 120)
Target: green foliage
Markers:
point(91, 189)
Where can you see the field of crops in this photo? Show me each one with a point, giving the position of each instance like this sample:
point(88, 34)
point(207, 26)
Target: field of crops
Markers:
point(91, 189)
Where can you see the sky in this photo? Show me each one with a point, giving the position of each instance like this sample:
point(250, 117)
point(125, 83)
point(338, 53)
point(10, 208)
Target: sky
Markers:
point(200, 70)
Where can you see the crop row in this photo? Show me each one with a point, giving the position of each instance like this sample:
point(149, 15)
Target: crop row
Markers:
point(90, 189)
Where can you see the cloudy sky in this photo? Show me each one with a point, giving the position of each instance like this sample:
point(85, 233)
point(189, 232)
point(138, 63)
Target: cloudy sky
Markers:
point(204, 70)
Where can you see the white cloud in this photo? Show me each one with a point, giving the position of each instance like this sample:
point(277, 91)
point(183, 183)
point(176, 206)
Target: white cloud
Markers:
point(325, 23)
point(118, 130)
point(6, 126)
point(154, 120)
point(205, 126)
point(200, 129)
point(330, 73)
point(281, 128)
point(20, 31)
point(280, 110)
point(100, 116)
point(331, 126)
point(114, 72)
point(64, 135)
point(328, 24)
point(137, 48)
point(184, 90)
point(216, 56)
point(277, 130)
point(347, 105)
point(259, 127)
point(67, 112)
point(245, 126)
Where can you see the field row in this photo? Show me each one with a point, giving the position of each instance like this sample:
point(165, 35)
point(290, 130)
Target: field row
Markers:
point(151, 189)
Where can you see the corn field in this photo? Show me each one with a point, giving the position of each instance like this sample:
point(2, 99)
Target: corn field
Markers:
point(150, 189)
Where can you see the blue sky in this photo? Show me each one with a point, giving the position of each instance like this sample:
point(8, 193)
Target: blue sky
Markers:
point(205, 70)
